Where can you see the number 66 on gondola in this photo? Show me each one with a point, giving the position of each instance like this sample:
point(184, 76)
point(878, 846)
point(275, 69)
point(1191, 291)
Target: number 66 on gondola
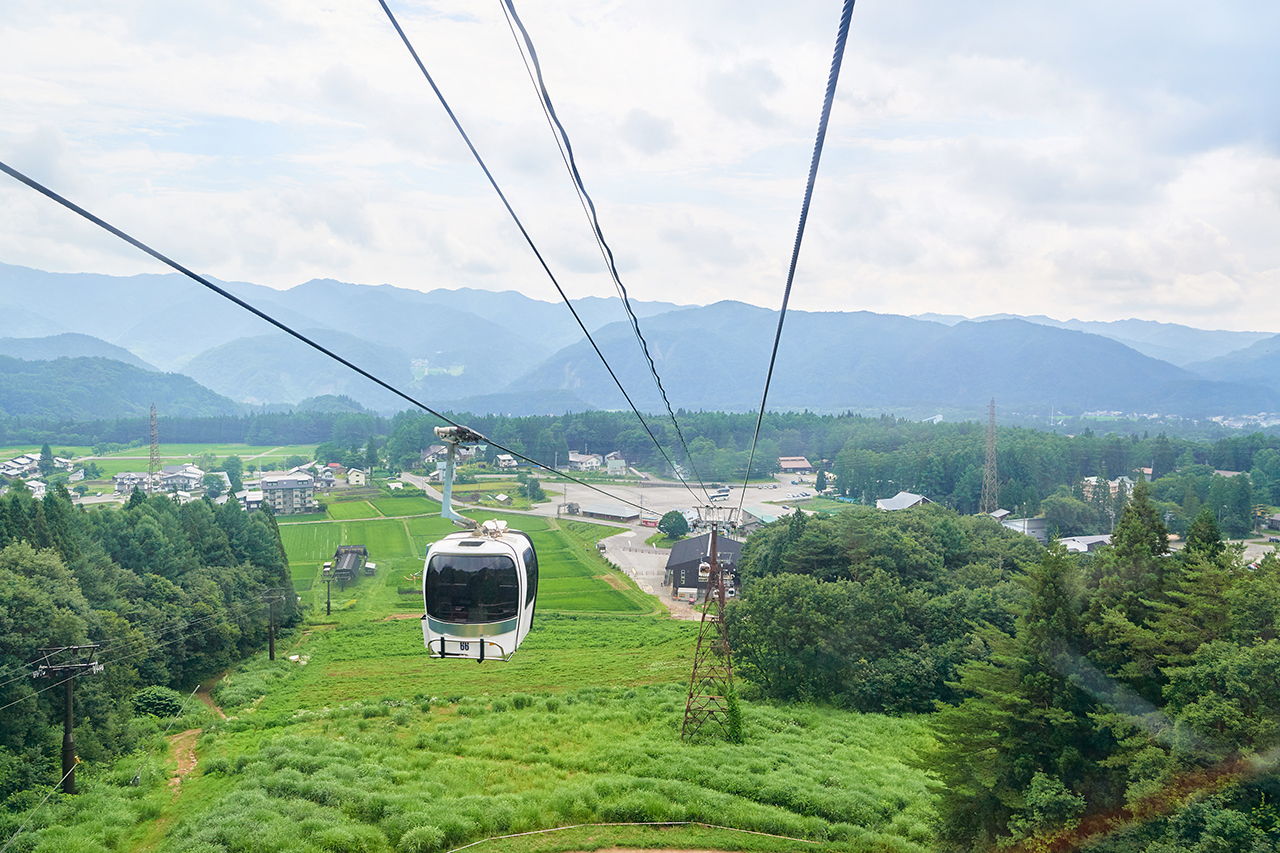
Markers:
point(479, 589)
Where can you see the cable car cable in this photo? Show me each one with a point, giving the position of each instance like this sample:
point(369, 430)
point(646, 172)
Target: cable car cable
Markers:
point(75, 208)
point(841, 36)
point(40, 188)
point(528, 239)
point(565, 147)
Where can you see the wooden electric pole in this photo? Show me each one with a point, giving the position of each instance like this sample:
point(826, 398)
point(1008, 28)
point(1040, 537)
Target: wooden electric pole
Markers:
point(68, 670)
point(271, 596)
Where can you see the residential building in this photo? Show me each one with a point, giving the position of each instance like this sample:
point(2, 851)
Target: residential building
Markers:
point(185, 478)
point(250, 499)
point(289, 493)
point(126, 481)
point(614, 463)
point(356, 477)
point(505, 460)
point(584, 461)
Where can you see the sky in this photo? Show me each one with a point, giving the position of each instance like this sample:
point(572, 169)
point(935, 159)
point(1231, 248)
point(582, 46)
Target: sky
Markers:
point(1094, 160)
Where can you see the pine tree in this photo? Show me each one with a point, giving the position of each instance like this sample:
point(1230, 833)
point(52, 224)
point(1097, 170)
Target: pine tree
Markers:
point(1024, 718)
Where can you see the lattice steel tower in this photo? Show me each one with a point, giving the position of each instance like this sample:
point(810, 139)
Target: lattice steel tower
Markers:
point(153, 467)
point(711, 697)
point(990, 489)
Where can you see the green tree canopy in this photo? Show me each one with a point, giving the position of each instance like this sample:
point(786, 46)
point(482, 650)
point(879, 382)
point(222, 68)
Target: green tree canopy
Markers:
point(673, 524)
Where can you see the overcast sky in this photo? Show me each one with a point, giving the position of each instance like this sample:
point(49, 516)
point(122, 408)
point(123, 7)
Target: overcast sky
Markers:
point(1099, 160)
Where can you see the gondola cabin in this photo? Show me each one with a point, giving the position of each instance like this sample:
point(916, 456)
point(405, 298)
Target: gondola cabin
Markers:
point(479, 589)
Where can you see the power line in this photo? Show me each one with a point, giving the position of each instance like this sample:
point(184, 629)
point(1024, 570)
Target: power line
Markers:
point(841, 36)
point(524, 232)
point(75, 208)
point(565, 147)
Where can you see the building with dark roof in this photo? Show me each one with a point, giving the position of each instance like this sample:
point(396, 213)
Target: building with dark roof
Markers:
point(348, 561)
point(688, 554)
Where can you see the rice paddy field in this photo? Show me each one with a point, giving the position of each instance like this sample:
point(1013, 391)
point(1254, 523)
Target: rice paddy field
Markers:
point(355, 740)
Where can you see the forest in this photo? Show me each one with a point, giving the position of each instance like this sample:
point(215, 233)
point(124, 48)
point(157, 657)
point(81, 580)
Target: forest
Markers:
point(1126, 701)
point(170, 595)
point(863, 458)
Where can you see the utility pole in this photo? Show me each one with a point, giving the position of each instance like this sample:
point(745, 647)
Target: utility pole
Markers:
point(271, 596)
point(69, 671)
point(328, 581)
point(711, 684)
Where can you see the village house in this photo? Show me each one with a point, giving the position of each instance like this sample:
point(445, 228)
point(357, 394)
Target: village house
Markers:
point(356, 477)
point(584, 461)
point(184, 478)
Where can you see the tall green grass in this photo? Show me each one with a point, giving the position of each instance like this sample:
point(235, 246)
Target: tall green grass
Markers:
point(447, 770)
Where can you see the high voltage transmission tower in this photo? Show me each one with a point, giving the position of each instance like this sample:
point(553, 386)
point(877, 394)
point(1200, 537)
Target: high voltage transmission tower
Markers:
point(711, 696)
point(153, 467)
point(990, 488)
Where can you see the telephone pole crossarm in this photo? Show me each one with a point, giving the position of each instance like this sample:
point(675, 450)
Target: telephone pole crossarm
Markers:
point(68, 671)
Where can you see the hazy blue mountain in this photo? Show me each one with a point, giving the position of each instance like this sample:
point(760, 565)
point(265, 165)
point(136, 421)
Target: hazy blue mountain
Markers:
point(515, 403)
point(70, 345)
point(96, 388)
point(278, 368)
point(471, 348)
point(554, 323)
point(1171, 342)
point(1259, 363)
point(716, 358)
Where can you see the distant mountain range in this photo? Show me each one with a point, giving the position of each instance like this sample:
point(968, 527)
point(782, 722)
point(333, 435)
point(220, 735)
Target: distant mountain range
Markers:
point(481, 351)
point(1179, 345)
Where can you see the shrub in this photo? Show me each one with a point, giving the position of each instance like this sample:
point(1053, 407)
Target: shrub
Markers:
point(421, 839)
point(520, 701)
point(157, 701)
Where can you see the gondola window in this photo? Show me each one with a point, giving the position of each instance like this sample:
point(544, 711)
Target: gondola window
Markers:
point(462, 588)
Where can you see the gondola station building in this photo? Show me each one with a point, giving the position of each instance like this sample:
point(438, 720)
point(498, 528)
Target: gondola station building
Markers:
point(688, 555)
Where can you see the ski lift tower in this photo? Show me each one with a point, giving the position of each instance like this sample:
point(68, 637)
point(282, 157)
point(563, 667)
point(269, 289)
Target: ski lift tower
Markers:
point(711, 685)
point(453, 436)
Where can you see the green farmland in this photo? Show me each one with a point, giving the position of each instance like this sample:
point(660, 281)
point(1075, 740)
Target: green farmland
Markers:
point(573, 577)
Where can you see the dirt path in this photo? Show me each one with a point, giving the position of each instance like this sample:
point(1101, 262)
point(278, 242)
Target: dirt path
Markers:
point(183, 747)
point(203, 696)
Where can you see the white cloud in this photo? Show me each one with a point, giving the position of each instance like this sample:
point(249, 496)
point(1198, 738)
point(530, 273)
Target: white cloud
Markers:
point(983, 157)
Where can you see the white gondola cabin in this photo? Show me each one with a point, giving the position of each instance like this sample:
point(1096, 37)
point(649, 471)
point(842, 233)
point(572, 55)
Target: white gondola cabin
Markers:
point(479, 589)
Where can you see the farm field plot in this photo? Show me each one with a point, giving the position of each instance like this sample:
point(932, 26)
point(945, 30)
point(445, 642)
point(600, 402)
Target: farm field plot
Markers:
point(602, 599)
point(351, 509)
point(310, 543)
point(571, 576)
point(406, 506)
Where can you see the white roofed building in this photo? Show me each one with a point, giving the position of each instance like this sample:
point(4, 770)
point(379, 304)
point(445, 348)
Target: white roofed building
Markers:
point(902, 500)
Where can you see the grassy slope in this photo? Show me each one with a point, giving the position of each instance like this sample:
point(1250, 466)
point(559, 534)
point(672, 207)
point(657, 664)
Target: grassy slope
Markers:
point(371, 746)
